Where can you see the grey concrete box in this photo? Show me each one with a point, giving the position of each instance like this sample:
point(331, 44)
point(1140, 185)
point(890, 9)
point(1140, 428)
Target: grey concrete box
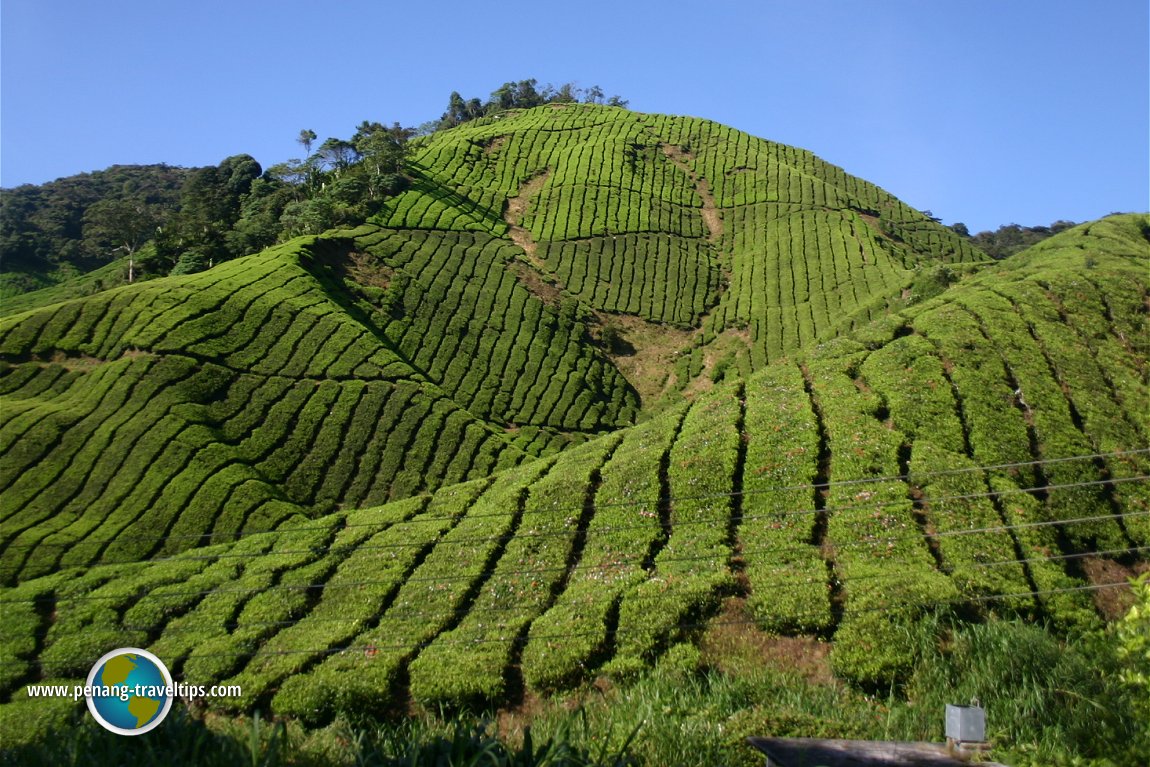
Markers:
point(966, 724)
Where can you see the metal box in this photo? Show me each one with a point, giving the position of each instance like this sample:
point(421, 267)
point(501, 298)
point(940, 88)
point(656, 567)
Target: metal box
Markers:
point(965, 724)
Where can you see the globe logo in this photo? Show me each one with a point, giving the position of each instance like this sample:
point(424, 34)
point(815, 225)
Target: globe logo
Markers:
point(129, 691)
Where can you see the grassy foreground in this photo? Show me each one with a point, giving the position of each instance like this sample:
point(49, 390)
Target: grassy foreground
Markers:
point(1049, 702)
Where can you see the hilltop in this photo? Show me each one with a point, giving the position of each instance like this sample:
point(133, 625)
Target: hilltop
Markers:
point(593, 379)
point(475, 304)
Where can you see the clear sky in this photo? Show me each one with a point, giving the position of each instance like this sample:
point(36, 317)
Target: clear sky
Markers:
point(983, 111)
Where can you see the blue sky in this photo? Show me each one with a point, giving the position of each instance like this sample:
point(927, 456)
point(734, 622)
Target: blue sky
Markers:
point(983, 111)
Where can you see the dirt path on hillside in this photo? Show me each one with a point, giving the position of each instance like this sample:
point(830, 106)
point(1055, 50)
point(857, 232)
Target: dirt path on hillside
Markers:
point(872, 223)
point(494, 144)
point(515, 209)
point(731, 340)
point(72, 361)
point(531, 273)
point(712, 219)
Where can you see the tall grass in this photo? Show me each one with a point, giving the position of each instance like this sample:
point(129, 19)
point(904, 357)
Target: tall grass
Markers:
point(184, 740)
point(1049, 701)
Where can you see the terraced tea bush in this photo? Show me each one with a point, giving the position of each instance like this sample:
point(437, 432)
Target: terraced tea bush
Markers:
point(785, 569)
point(690, 570)
point(403, 463)
point(433, 599)
point(577, 633)
point(535, 565)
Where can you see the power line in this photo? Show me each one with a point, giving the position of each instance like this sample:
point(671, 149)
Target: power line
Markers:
point(588, 530)
point(418, 518)
point(615, 564)
point(393, 612)
point(813, 487)
point(441, 641)
point(539, 571)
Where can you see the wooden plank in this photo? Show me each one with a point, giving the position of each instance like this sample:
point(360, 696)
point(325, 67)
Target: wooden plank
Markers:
point(817, 752)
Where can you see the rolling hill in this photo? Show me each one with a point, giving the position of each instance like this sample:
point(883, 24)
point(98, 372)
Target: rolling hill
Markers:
point(595, 373)
point(499, 325)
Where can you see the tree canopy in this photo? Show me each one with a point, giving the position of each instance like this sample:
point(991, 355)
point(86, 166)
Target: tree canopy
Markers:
point(1009, 239)
point(180, 220)
point(523, 94)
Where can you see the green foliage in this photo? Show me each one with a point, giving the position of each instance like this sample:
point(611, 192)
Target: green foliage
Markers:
point(1047, 701)
point(1012, 238)
point(523, 94)
point(204, 447)
point(628, 222)
point(675, 715)
point(787, 574)
point(1132, 634)
point(478, 333)
point(359, 588)
point(209, 208)
point(185, 740)
point(470, 744)
point(567, 642)
point(533, 567)
point(238, 411)
point(871, 526)
point(121, 224)
point(932, 281)
point(668, 279)
point(193, 219)
point(690, 569)
point(530, 569)
point(75, 223)
point(431, 601)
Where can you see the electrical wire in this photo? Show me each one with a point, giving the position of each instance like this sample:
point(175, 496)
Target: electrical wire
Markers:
point(814, 487)
point(339, 548)
point(370, 649)
point(328, 585)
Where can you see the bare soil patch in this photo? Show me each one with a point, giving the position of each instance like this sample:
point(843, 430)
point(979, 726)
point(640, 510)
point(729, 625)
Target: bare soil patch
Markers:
point(730, 341)
point(494, 144)
point(83, 361)
point(366, 269)
point(712, 219)
point(1112, 602)
point(655, 347)
point(533, 273)
point(871, 221)
point(75, 362)
point(515, 209)
point(533, 280)
point(511, 723)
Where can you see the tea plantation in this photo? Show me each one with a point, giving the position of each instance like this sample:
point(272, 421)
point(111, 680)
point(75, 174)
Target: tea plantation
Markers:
point(398, 464)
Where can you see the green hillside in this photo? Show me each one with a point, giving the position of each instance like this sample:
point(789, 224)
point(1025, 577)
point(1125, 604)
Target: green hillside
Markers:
point(982, 452)
point(678, 221)
point(590, 385)
point(548, 275)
